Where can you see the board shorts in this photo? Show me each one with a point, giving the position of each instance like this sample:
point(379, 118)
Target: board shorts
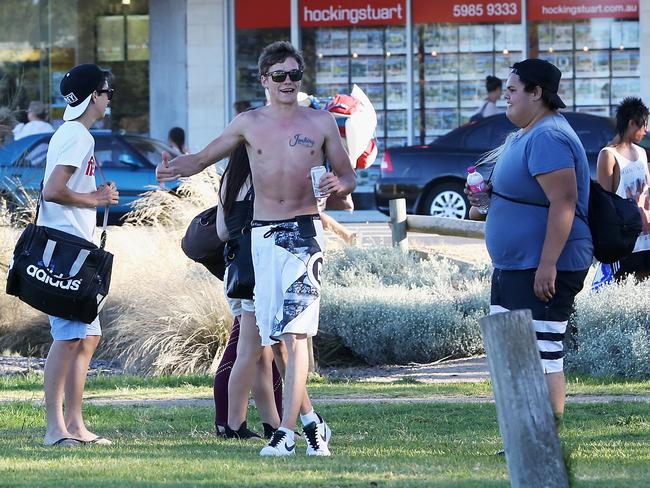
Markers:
point(513, 290)
point(287, 259)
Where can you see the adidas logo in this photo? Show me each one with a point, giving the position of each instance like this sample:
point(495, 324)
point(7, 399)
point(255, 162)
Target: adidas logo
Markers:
point(42, 276)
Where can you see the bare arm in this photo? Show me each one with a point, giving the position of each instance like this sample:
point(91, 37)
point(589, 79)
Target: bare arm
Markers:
point(56, 190)
point(343, 180)
point(222, 230)
point(561, 189)
point(607, 171)
point(191, 164)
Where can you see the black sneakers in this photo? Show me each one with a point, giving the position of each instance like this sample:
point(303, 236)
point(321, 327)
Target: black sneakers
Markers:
point(242, 433)
point(268, 430)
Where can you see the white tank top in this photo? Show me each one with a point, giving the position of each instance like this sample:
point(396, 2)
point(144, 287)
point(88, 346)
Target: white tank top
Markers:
point(634, 184)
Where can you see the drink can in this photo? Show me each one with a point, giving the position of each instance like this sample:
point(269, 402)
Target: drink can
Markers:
point(316, 173)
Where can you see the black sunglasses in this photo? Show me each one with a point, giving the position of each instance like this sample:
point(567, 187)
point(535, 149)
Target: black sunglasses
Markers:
point(108, 91)
point(281, 75)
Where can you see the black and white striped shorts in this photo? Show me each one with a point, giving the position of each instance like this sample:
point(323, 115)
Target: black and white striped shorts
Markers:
point(513, 290)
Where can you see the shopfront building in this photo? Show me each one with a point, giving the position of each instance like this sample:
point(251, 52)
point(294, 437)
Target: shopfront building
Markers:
point(422, 63)
point(41, 39)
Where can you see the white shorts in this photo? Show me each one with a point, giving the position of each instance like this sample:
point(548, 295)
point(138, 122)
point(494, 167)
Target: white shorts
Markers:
point(237, 304)
point(67, 330)
point(288, 262)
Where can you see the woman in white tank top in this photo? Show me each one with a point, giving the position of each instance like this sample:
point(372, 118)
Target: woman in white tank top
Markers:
point(623, 169)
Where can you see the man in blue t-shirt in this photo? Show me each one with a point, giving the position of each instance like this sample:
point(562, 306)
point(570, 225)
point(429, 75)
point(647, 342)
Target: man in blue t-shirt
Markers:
point(536, 230)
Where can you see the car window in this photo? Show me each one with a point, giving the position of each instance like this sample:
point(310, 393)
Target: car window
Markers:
point(35, 156)
point(149, 148)
point(113, 153)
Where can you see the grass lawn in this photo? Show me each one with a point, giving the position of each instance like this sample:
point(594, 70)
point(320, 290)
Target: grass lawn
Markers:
point(374, 444)
point(200, 386)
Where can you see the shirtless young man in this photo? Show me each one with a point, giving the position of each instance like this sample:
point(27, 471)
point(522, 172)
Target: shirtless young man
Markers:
point(284, 141)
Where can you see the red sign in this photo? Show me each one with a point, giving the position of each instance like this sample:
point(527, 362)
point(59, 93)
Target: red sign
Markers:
point(465, 11)
point(582, 9)
point(351, 13)
point(254, 14)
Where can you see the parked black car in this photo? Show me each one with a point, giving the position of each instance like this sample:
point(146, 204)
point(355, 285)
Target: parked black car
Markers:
point(432, 177)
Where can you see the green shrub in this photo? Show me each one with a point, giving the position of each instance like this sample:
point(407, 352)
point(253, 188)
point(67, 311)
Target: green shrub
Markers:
point(387, 307)
point(612, 336)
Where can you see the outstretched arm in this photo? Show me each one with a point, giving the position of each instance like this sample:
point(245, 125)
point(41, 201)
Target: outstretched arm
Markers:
point(343, 180)
point(191, 164)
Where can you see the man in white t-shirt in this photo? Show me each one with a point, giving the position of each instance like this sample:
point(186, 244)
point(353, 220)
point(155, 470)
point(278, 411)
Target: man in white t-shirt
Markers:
point(70, 200)
point(36, 113)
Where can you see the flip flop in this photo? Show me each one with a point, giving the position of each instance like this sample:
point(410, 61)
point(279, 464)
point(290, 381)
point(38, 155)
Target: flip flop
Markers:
point(100, 441)
point(66, 442)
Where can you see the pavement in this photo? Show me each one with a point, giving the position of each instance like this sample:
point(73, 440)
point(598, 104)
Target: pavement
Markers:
point(358, 216)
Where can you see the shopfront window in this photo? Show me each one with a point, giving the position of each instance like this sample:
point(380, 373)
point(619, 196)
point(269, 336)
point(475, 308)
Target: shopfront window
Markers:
point(41, 40)
point(457, 45)
point(599, 60)
point(363, 43)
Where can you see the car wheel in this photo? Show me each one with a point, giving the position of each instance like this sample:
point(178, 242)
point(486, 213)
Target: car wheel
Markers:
point(447, 200)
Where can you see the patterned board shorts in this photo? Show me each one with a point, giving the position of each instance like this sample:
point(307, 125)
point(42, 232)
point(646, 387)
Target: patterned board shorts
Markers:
point(288, 258)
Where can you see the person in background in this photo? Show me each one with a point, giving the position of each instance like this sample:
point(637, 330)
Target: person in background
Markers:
point(176, 141)
point(37, 123)
point(494, 87)
point(69, 203)
point(540, 250)
point(623, 169)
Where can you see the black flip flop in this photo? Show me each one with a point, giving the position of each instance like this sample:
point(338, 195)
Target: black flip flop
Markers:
point(66, 442)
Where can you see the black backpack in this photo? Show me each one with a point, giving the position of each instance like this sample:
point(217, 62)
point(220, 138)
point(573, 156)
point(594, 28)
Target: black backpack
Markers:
point(614, 222)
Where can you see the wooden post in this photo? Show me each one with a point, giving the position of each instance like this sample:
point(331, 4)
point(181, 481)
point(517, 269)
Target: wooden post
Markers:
point(398, 228)
point(524, 413)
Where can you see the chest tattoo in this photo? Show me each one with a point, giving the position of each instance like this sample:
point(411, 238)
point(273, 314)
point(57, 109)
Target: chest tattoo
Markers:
point(302, 140)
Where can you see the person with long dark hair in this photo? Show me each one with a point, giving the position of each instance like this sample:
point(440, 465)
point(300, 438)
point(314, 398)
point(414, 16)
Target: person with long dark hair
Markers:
point(176, 140)
point(245, 362)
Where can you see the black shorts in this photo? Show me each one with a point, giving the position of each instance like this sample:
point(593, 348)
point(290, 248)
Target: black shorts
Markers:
point(513, 290)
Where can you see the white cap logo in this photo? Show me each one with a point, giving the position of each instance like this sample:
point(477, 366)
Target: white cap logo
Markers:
point(70, 98)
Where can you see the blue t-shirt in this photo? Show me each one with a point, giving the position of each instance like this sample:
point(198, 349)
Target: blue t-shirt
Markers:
point(515, 232)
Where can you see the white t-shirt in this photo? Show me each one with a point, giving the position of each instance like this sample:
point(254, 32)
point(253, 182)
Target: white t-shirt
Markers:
point(635, 178)
point(490, 108)
point(71, 145)
point(31, 128)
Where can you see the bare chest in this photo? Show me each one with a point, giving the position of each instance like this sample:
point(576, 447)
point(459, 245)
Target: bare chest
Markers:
point(289, 143)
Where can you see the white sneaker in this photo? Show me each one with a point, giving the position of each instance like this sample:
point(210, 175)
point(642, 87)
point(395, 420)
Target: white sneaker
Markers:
point(279, 445)
point(317, 436)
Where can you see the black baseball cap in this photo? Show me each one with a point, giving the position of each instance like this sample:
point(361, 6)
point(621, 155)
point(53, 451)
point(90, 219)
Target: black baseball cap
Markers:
point(77, 86)
point(541, 73)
